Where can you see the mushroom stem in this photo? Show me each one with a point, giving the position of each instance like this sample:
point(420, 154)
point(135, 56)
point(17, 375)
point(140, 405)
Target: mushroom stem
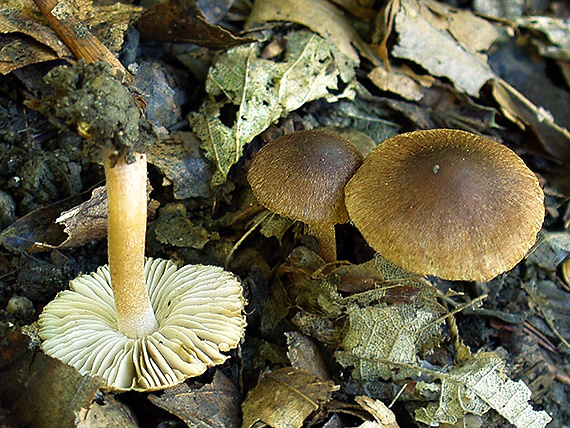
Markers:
point(325, 234)
point(126, 225)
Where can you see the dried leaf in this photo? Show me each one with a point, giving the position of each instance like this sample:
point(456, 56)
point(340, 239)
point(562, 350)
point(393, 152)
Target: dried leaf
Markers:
point(38, 230)
point(28, 39)
point(183, 21)
point(518, 109)
point(262, 91)
point(285, 397)
point(106, 413)
point(215, 405)
point(383, 416)
point(320, 16)
point(472, 32)
point(305, 355)
point(397, 82)
point(110, 22)
point(174, 228)
point(475, 387)
point(39, 390)
point(550, 249)
point(87, 222)
point(440, 44)
point(180, 160)
point(384, 341)
point(556, 30)
point(437, 51)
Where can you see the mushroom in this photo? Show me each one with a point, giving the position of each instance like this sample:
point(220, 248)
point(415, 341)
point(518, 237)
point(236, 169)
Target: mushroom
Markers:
point(139, 325)
point(198, 312)
point(302, 176)
point(447, 203)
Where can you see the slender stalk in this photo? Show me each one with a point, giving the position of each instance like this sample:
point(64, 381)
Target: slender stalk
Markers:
point(325, 234)
point(126, 225)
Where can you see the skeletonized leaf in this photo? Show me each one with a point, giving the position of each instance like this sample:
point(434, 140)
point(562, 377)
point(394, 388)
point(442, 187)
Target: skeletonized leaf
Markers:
point(384, 341)
point(477, 386)
point(263, 90)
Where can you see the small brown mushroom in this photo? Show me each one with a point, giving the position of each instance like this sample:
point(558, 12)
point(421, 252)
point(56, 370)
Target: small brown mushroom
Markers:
point(302, 176)
point(447, 203)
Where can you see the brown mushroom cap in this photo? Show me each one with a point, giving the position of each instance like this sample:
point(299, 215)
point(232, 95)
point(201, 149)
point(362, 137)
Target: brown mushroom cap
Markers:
point(446, 203)
point(302, 176)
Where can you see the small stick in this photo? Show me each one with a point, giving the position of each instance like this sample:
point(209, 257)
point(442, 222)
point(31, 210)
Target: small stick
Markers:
point(75, 34)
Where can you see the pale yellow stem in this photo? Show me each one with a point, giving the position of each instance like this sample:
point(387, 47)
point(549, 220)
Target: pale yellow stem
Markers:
point(325, 234)
point(126, 225)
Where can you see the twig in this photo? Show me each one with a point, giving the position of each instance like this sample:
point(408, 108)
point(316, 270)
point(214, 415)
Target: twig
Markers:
point(75, 34)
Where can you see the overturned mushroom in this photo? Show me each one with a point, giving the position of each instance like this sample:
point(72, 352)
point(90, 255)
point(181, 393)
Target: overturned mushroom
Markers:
point(198, 312)
point(302, 176)
point(138, 325)
point(447, 203)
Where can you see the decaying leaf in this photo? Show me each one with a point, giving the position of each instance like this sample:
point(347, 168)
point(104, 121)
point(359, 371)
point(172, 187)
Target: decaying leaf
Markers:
point(321, 16)
point(273, 225)
point(451, 44)
point(383, 416)
point(475, 387)
point(26, 37)
point(39, 390)
point(517, 108)
point(261, 91)
point(366, 118)
point(39, 230)
point(553, 304)
point(183, 21)
point(106, 413)
point(87, 222)
point(180, 160)
point(69, 223)
point(325, 330)
point(215, 405)
point(385, 341)
point(305, 355)
point(285, 397)
point(550, 249)
point(173, 227)
point(556, 30)
point(420, 40)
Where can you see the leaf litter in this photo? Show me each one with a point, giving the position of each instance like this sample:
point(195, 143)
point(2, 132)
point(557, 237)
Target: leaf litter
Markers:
point(380, 323)
point(261, 91)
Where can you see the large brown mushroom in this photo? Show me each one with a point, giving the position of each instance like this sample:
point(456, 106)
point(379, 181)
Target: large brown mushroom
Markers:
point(302, 176)
point(447, 203)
